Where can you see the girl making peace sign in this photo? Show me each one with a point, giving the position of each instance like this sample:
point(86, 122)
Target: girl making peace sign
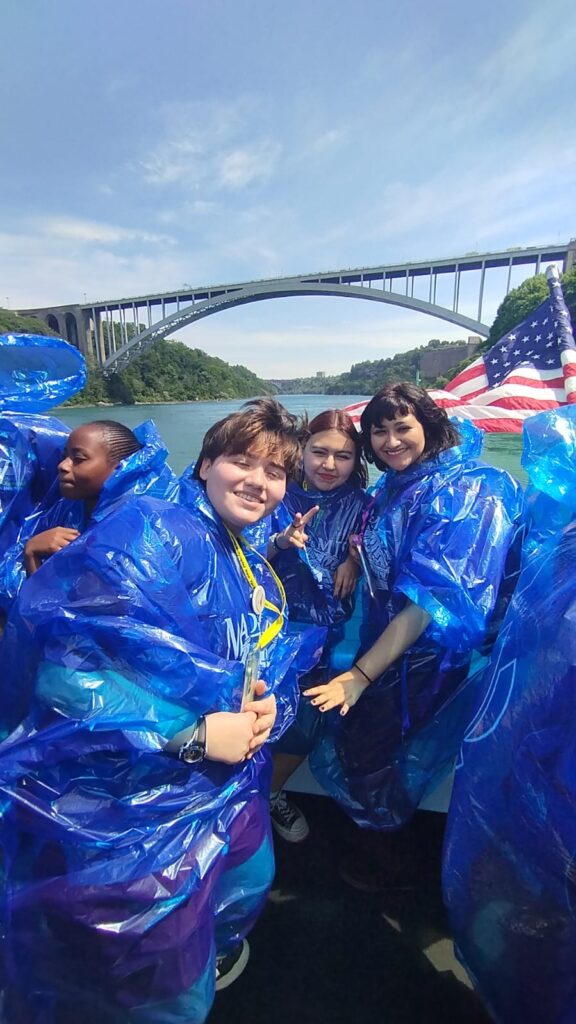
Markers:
point(310, 552)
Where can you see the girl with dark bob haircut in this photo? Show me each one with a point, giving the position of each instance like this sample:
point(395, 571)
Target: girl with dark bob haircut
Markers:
point(440, 547)
point(403, 399)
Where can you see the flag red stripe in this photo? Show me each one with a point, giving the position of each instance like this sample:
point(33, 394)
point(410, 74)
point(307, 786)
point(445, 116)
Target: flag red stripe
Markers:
point(474, 370)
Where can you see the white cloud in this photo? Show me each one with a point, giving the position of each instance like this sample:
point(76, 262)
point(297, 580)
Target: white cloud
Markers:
point(328, 140)
point(91, 232)
point(305, 348)
point(456, 209)
point(212, 145)
point(242, 167)
point(538, 51)
point(64, 271)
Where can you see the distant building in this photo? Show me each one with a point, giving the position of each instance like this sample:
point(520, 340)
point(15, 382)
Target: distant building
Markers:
point(320, 373)
point(438, 362)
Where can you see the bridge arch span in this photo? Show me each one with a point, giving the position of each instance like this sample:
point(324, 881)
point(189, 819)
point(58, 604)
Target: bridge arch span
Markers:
point(52, 322)
point(260, 292)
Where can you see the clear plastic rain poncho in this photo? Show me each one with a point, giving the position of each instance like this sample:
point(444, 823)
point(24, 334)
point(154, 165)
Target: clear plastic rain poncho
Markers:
point(125, 867)
point(36, 373)
point(144, 472)
point(509, 872)
point(446, 535)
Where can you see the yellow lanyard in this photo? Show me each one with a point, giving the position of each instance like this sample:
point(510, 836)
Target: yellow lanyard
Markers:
point(274, 628)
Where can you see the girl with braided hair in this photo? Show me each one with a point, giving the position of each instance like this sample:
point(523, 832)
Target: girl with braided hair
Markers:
point(103, 462)
point(91, 455)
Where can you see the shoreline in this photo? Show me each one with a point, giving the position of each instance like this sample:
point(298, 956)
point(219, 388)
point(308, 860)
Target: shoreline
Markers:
point(198, 401)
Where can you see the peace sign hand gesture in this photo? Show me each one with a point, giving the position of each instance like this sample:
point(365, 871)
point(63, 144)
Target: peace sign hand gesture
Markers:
point(294, 536)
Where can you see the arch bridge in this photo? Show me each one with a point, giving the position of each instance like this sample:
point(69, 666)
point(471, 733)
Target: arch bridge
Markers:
point(114, 332)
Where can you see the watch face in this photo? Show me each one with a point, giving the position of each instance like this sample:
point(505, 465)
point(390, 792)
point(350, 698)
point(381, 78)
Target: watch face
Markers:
point(192, 752)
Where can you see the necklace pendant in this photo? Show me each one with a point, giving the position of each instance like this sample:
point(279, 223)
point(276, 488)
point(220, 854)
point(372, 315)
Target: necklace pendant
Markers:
point(258, 600)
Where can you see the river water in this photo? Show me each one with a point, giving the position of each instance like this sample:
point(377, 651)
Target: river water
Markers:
point(183, 425)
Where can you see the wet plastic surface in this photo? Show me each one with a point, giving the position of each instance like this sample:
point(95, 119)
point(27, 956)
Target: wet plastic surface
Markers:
point(509, 875)
point(125, 866)
point(446, 535)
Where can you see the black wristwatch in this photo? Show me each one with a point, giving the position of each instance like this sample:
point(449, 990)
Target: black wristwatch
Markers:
point(194, 750)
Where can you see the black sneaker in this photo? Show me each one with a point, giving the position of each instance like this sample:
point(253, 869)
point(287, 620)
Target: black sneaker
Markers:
point(287, 819)
point(229, 966)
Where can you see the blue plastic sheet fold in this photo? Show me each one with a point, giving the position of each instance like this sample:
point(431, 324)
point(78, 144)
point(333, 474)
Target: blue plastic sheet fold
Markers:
point(128, 634)
point(509, 871)
point(144, 472)
point(38, 372)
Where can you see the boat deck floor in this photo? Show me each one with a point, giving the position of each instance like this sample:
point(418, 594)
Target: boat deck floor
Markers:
point(325, 952)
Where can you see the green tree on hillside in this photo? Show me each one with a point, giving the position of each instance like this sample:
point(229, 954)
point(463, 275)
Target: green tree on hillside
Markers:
point(13, 323)
point(521, 301)
point(171, 372)
point(368, 377)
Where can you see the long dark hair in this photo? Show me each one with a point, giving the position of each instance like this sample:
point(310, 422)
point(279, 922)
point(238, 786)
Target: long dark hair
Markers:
point(337, 419)
point(400, 400)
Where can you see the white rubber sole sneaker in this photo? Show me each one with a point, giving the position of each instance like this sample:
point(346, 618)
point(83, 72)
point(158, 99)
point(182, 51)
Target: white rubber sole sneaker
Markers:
point(290, 824)
point(229, 967)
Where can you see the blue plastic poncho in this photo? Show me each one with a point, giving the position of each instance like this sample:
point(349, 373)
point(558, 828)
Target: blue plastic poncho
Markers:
point(308, 579)
point(120, 860)
point(548, 456)
point(36, 373)
point(30, 449)
point(509, 876)
point(308, 575)
point(444, 534)
point(144, 472)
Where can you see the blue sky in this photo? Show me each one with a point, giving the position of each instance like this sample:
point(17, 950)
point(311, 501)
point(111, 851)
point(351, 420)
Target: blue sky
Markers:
point(148, 144)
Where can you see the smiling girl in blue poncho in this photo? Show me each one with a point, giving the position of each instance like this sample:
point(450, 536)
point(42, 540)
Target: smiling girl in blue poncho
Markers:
point(437, 543)
point(103, 461)
point(135, 829)
point(310, 552)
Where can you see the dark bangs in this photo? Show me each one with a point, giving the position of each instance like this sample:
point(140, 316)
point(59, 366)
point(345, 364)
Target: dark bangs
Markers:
point(404, 399)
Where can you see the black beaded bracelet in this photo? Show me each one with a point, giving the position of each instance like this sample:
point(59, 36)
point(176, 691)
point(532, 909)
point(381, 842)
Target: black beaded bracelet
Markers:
point(274, 541)
point(362, 672)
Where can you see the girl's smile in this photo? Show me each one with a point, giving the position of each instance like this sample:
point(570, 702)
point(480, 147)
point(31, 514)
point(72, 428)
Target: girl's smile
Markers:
point(243, 487)
point(329, 459)
point(400, 442)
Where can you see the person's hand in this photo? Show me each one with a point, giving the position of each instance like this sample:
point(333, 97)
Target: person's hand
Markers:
point(45, 544)
point(229, 735)
point(265, 710)
point(353, 551)
point(346, 577)
point(343, 691)
point(295, 536)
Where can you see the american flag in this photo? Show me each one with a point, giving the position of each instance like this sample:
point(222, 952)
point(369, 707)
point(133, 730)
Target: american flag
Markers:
point(531, 369)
